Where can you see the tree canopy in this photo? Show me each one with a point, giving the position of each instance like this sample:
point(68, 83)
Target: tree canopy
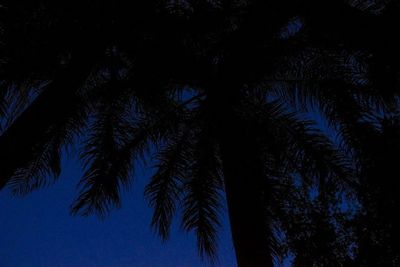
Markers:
point(287, 110)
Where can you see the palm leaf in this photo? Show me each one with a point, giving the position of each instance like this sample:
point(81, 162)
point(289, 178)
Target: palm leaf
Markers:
point(202, 200)
point(165, 186)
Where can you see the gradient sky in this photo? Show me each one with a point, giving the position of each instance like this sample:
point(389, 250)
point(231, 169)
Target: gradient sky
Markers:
point(38, 231)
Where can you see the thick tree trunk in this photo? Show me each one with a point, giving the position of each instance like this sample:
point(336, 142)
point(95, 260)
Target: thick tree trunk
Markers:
point(246, 202)
point(245, 187)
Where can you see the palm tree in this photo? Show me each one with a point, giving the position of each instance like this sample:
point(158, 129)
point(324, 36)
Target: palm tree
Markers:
point(202, 97)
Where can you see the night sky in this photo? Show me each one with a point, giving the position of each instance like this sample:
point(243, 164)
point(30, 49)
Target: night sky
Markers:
point(38, 231)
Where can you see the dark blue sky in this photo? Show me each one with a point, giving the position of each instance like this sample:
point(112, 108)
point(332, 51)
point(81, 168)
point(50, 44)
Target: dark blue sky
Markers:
point(38, 231)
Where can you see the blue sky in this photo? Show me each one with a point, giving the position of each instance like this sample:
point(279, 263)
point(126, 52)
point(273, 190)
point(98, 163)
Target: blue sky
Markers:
point(38, 231)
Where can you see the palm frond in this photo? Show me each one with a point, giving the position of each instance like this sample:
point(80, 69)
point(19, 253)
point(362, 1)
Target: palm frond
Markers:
point(165, 186)
point(202, 200)
point(42, 166)
point(50, 111)
point(123, 133)
point(307, 149)
point(108, 164)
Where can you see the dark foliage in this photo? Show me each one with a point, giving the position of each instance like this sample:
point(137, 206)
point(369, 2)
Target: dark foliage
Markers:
point(287, 109)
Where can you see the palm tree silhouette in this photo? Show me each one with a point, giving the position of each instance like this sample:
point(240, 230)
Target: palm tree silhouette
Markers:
point(216, 103)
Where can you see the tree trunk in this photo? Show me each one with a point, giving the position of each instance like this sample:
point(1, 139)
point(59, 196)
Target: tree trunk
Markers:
point(245, 185)
point(246, 203)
